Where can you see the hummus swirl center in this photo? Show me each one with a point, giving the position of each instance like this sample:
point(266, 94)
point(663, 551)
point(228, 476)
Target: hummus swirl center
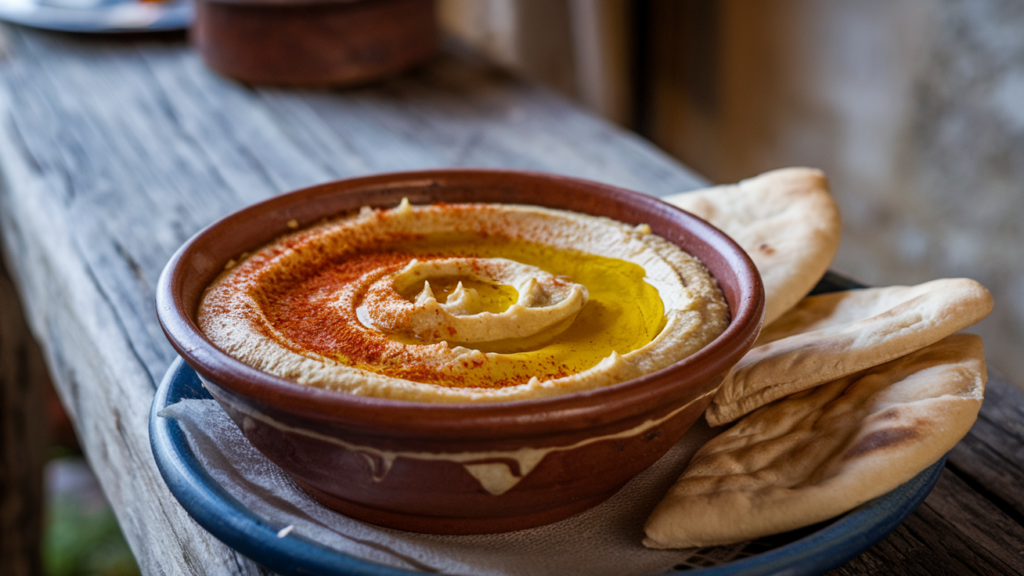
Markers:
point(545, 302)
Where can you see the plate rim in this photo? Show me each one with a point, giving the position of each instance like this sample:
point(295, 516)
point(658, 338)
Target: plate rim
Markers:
point(232, 523)
point(176, 15)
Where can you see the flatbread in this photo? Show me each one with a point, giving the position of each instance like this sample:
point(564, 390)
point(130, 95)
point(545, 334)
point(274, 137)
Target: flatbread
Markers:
point(825, 451)
point(787, 222)
point(833, 335)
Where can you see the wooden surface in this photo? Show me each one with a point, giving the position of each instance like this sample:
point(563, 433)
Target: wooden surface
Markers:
point(113, 151)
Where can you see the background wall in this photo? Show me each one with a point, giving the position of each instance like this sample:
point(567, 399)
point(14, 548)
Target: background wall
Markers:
point(915, 109)
point(581, 48)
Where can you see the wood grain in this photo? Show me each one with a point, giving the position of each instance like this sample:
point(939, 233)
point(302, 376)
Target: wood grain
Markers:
point(101, 185)
point(955, 531)
point(991, 458)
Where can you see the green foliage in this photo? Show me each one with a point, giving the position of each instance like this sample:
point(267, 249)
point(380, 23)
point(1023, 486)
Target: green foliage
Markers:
point(82, 540)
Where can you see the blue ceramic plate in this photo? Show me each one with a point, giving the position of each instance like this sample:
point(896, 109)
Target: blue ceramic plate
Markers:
point(99, 16)
point(813, 550)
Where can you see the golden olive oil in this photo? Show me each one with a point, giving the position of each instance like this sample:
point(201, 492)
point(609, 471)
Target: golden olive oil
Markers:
point(622, 314)
point(492, 298)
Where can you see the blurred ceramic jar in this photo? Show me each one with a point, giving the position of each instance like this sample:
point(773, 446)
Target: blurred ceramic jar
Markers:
point(314, 42)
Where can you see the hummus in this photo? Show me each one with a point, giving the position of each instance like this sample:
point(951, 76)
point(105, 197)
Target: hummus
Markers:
point(463, 303)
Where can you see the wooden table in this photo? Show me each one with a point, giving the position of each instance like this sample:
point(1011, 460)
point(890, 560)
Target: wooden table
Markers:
point(113, 151)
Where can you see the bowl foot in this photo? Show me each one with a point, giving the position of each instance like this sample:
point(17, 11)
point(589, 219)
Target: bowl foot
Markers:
point(452, 525)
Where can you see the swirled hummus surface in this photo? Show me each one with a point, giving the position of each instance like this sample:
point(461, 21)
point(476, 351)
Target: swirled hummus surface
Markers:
point(464, 302)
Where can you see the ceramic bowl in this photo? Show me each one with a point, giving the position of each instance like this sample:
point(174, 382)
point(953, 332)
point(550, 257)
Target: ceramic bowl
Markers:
point(460, 468)
point(314, 42)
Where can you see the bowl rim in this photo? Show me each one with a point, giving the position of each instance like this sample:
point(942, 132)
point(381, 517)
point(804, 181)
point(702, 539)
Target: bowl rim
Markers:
point(392, 417)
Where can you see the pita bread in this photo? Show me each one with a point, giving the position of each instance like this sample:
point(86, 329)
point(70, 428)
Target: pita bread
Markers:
point(785, 220)
point(833, 335)
point(825, 451)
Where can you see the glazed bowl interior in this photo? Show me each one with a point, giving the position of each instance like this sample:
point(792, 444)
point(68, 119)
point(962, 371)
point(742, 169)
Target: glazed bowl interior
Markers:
point(567, 482)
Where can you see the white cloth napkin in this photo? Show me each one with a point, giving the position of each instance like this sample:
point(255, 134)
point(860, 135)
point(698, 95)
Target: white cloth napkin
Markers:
point(603, 540)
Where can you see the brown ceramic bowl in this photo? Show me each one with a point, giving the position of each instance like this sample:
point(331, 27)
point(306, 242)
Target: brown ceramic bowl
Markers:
point(314, 42)
point(408, 465)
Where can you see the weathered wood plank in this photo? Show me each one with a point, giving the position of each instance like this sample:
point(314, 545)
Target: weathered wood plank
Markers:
point(991, 458)
point(23, 439)
point(105, 387)
point(87, 302)
point(955, 531)
point(114, 151)
point(177, 141)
